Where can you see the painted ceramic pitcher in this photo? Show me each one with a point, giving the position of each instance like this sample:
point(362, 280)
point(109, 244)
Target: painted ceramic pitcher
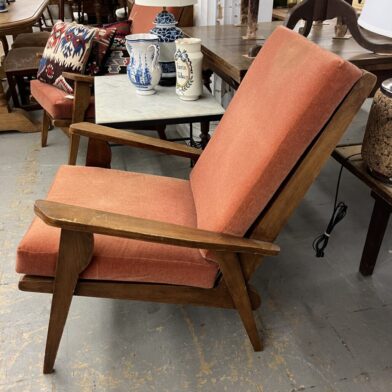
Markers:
point(143, 69)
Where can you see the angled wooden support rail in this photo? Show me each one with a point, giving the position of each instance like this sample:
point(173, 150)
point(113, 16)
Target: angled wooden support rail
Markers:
point(128, 138)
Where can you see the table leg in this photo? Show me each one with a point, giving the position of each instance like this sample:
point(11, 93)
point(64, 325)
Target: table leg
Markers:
point(207, 73)
point(161, 129)
point(375, 235)
point(4, 42)
point(205, 134)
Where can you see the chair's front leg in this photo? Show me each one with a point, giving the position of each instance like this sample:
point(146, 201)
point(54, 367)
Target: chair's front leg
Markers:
point(234, 278)
point(75, 253)
point(74, 141)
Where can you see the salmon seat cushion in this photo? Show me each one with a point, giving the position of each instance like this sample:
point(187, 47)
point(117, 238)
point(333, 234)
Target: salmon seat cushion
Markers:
point(120, 259)
point(55, 102)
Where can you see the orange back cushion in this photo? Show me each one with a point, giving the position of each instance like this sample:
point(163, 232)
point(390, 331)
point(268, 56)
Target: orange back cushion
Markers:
point(143, 17)
point(287, 96)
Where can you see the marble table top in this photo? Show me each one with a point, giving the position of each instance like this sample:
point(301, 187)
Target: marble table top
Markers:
point(118, 104)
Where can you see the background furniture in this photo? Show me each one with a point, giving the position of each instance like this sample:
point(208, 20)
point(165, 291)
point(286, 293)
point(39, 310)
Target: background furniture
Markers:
point(382, 210)
point(227, 193)
point(225, 52)
point(59, 109)
point(377, 142)
point(253, 13)
point(280, 13)
point(21, 16)
point(118, 105)
point(321, 10)
point(62, 111)
point(20, 66)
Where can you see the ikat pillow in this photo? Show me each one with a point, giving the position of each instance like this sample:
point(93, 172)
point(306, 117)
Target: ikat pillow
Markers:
point(100, 51)
point(67, 50)
point(118, 57)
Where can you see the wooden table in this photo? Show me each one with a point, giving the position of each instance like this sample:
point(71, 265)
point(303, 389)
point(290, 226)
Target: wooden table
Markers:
point(21, 16)
point(224, 50)
point(280, 13)
point(118, 105)
point(382, 206)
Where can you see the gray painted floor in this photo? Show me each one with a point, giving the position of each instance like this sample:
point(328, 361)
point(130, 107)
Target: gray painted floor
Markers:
point(326, 328)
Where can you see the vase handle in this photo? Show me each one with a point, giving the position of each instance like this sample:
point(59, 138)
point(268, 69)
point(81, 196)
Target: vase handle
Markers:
point(155, 59)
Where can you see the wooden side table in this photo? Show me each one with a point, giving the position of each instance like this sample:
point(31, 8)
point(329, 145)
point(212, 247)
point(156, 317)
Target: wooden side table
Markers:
point(382, 206)
point(21, 16)
point(118, 105)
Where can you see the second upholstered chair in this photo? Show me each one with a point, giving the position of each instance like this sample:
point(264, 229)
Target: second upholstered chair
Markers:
point(115, 234)
point(61, 110)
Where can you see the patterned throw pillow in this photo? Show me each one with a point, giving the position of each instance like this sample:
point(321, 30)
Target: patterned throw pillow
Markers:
point(100, 51)
point(67, 50)
point(118, 58)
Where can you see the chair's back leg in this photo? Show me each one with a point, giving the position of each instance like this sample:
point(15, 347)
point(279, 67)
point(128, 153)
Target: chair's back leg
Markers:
point(75, 253)
point(235, 282)
point(45, 129)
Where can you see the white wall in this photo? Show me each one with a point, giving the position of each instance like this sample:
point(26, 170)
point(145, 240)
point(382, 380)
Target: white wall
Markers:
point(205, 12)
point(208, 12)
point(265, 10)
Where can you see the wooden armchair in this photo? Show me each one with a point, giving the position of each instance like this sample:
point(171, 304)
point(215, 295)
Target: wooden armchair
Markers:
point(125, 235)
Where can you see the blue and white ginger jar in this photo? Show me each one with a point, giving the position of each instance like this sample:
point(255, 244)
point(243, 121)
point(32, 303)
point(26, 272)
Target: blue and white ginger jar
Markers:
point(167, 31)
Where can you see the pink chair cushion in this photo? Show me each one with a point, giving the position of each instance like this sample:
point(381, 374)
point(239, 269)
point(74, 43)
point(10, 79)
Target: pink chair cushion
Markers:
point(146, 196)
point(54, 102)
point(287, 96)
point(143, 17)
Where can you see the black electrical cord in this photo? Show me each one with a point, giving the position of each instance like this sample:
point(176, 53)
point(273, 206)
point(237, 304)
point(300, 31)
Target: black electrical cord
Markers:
point(320, 243)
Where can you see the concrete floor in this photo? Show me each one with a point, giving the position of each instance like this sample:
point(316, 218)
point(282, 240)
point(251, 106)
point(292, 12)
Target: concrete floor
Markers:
point(326, 327)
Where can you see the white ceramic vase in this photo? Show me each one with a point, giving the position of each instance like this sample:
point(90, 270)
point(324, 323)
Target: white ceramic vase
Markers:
point(189, 59)
point(143, 69)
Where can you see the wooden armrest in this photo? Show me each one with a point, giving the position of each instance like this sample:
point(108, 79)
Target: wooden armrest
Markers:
point(93, 221)
point(133, 139)
point(79, 78)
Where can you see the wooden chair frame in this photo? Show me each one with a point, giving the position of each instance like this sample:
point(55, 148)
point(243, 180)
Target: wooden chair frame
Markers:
point(238, 258)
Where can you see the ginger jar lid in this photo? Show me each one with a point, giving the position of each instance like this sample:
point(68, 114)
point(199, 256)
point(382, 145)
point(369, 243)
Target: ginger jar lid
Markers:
point(165, 19)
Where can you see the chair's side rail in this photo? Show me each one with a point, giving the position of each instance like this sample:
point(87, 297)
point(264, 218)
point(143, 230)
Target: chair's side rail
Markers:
point(134, 140)
point(274, 217)
point(80, 219)
point(79, 77)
